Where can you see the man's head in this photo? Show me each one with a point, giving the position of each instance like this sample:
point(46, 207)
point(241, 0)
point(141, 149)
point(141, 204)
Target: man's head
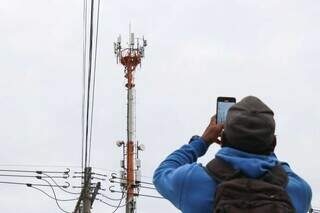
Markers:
point(250, 127)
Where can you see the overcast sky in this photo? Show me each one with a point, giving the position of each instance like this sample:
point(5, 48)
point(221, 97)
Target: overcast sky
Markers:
point(198, 50)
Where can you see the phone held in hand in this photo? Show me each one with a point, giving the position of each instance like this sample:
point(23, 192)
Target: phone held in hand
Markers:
point(223, 105)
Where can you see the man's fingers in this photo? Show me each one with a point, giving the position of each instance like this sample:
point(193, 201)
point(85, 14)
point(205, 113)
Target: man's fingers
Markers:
point(220, 127)
point(213, 119)
point(213, 131)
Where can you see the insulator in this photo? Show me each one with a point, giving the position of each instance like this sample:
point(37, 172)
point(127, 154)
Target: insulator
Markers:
point(142, 52)
point(132, 39)
point(119, 143)
point(123, 180)
point(138, 176)
point(122, 174)
point(122, 164)
point(138, 163)
point(115, 48)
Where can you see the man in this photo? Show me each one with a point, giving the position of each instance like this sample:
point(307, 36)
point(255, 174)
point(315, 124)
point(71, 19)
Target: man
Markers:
point(247, 141)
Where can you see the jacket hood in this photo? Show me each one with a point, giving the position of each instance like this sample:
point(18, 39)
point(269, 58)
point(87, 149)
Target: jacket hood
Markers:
point(252, 165)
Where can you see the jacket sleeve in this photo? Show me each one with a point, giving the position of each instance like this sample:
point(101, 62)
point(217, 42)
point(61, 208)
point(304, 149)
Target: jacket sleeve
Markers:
point(299, 191)
point(169, 177)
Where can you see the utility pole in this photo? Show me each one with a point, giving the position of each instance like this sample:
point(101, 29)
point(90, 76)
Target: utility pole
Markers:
point(87, 189)
point(130, 58)
point(85, 200)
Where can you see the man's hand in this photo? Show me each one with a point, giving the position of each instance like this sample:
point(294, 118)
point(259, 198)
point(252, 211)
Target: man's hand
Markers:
point(212, 132)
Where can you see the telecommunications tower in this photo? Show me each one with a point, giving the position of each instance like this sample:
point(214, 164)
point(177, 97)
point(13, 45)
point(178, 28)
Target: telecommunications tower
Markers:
point(130, 57)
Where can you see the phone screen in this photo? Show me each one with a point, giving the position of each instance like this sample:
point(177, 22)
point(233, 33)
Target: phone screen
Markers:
point(222, 110)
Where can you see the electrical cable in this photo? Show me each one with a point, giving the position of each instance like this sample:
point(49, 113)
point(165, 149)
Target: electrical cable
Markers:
point(102, 175)
point(90, 89)
point(84, 64)
point(119, 204)
point(26, 184)
point(114, 206)
point(115, 171)
point(148, 183)
point(75, 193)
point(54, 193)
point(35, 165)
point(28, 171)
point(14, 183)
point(96, 178)
point(85, 109)
point(110, 198)
point(62, 200)
point(27, 176)
point(146, 187)
point(94, 75)
point(89, 84)
point(115, 177)
point(150, 196)
point(138, 194)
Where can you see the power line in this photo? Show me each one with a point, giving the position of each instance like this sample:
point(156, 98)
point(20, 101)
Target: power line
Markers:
point(63, 166)
point(89, 100)
point(112, 171)
point(15, 183)
point(115, 206)
point(94, 75)
point(110, 198)
point(119, 203)
point(91, 30)
point(115, 172)
point(146, 187)
point(113, 176)
point(62, 200)
point(136, 185)
point(33, 171)
point(136, 194)
point(28, 176)
point(151, 196)
point(84, 76)
point(26, 184)
point(38, 165)
point(55, 197)
point(76, 193)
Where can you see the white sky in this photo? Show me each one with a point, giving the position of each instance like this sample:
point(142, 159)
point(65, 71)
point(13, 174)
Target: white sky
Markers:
point(197, 51)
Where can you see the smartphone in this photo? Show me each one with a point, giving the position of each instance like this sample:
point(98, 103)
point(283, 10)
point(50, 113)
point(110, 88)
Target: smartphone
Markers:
point(223, 105)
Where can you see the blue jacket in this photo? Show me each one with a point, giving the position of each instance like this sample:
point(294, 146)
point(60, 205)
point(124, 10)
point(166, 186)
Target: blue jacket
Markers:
point(189, 188)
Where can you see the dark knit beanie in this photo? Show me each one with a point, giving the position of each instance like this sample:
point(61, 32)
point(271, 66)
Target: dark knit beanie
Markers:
point(250, 127)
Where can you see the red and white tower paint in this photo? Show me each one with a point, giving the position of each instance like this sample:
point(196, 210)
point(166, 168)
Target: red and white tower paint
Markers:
point(130, 57)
